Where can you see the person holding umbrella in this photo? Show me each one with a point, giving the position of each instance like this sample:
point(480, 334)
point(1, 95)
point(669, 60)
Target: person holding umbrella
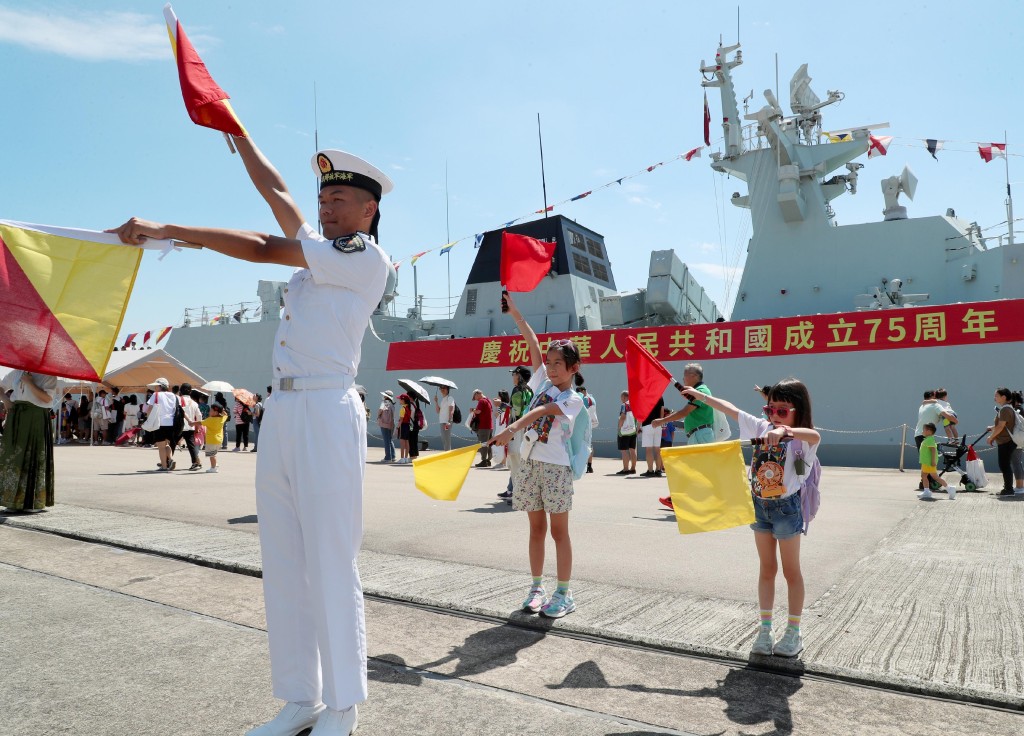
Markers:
point(445, 407)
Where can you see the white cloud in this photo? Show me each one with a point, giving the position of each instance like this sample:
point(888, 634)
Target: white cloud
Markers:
point(105, 36)
point(707, 247)
point(397, 167)
point(646, 202)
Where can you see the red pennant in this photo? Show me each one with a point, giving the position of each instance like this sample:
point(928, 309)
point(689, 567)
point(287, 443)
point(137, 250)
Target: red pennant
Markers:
point(707, 121)
point(524, 261)
point(971, 454)
point(204, 100)
point(646, 378)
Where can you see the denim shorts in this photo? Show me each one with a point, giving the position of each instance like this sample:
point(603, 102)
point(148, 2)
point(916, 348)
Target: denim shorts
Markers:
point(782, 518)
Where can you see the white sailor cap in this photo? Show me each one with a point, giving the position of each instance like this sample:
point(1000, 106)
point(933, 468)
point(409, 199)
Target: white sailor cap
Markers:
point(338, 167)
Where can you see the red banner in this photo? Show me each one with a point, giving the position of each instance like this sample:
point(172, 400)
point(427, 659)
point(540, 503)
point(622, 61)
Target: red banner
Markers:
point(973, 323)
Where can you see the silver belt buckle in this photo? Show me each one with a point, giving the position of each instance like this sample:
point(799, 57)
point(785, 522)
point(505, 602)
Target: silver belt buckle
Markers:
point(287, 384)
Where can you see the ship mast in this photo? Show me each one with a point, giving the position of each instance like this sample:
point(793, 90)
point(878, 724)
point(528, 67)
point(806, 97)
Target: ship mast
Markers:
point(1009, 196)
point(721, 77)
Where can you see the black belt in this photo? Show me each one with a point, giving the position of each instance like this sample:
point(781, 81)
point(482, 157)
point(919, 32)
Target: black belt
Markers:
point(697, 429)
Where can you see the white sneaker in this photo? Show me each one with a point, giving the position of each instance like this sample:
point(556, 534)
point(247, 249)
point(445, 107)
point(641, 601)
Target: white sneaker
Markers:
point(337, 722)
point(951, 490)
point(790, 645)
point(925, 495)
point(763, 642)
point(292, 720)
point(1018, 491)
point(212, 470)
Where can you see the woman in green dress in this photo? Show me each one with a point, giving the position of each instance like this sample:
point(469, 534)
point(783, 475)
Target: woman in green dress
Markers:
point(26, 448)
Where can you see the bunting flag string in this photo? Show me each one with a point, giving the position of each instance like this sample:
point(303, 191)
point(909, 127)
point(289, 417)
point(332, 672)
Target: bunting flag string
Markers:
point(160, 335)
point(478, 238)
point(986, 150)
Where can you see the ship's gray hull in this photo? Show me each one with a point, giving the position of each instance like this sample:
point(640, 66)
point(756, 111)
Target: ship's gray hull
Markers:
point(861, 400)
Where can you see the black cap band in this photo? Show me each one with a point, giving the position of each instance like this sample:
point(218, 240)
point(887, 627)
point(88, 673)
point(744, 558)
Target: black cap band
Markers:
point(351, 179)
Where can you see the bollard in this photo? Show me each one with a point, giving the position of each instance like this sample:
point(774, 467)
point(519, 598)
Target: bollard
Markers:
point(903, 444)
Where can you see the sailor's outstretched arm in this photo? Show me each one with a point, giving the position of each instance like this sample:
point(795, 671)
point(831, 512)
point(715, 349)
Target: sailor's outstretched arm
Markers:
point(241, 244)
point(271, 186)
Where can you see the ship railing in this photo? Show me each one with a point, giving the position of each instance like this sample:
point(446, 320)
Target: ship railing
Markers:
point(223, 314)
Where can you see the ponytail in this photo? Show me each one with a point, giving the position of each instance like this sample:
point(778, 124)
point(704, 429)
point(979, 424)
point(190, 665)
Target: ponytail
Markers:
point(578, 378)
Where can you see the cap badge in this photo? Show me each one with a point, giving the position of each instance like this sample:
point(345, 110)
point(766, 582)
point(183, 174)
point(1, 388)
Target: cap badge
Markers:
point(324, 163)
point(350, 243)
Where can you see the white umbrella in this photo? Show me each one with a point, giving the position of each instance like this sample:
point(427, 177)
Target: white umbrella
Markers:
point(223, 386)
point(438, 381)
point(414, 388)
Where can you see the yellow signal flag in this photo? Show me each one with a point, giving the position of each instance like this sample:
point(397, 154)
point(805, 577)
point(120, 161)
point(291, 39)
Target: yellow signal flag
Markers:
point(709, 487)
point(441, 476)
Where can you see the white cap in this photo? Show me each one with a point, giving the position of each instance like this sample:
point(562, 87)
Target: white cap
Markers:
point(339, 167)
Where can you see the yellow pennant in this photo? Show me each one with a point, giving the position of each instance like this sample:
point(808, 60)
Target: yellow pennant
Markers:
point(709, 487)
point(441, 476)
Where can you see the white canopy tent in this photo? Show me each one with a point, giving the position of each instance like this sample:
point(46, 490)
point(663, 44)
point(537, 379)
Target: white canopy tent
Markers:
point(129, 370)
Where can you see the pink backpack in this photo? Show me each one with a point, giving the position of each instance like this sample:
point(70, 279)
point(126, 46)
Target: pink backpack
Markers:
point(810, 496)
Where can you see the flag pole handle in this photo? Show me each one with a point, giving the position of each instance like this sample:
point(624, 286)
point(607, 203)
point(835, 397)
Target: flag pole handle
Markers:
point(186, 244)
point(759, 441)
point(231, 145)
point(679, 386)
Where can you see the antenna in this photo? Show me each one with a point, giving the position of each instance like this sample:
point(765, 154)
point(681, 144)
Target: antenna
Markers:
point(737, 25)
point(448, 238)
point(316, 149)
point(543, 178)
point(1009, 197)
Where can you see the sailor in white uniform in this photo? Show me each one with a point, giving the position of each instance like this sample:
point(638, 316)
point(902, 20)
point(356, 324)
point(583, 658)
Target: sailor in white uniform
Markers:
point(309, 474)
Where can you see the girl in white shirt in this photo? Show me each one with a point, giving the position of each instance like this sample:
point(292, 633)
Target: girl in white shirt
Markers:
point(542, 485)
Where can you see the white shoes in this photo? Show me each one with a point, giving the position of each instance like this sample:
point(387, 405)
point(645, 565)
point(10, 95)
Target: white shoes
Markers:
point(763, 643)
point(337, 722)
point(292, 720)
point(790, 645)
point(925, 495)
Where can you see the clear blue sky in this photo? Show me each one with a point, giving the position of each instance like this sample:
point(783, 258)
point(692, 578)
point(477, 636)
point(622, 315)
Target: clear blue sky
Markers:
point(95, 131)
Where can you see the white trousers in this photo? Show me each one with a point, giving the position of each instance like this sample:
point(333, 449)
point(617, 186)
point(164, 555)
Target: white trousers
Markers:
point(309, 500)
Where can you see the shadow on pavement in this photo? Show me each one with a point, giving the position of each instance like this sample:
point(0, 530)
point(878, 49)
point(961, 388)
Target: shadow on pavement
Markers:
point(751, 697)
point(494, 507)
point(250, 519)
point(481, 652)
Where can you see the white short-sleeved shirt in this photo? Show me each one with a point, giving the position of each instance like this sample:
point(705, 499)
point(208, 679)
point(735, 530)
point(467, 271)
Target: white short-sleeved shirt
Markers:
point(751, 427)
point(328, 306)
point(553, 431)
point(21, 392)
point(445, 402)
point(164, 401)
point(930, 413)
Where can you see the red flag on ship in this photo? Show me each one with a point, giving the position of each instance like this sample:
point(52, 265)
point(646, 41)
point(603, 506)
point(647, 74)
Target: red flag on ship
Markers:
point(145, 338)
point(524, 261)
point(707, 121)
point(878, 145)
point(693, 153)
point(992, 150)
point(163, 333)
point(206, 103)
point(130, 339)
point(646, 379)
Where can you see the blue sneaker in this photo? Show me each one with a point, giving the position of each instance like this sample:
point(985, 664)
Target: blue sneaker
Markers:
point(560, 604)
point(534, 599)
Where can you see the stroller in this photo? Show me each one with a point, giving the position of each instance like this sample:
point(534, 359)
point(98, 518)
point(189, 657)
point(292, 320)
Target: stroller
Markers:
point(951, 455)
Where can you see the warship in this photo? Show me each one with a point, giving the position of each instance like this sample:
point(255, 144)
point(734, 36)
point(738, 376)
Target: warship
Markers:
point(868, 315)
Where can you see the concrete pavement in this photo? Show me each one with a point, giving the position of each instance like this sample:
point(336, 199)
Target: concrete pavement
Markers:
point(919, 597)
point(102, 641)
